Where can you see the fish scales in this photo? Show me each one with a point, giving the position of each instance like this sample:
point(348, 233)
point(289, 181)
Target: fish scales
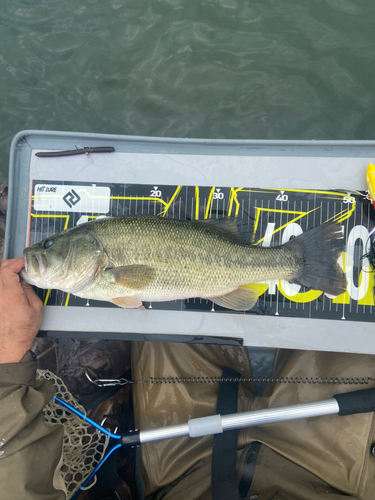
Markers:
point(189, 258)
point(130, 259)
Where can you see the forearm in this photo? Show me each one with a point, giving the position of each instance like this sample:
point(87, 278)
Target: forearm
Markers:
point(30, 451)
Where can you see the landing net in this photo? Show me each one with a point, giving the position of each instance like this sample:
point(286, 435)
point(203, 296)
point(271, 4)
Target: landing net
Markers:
point(83, 446)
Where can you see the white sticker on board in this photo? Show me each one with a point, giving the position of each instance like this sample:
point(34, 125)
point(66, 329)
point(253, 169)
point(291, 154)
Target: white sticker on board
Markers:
point(62, 198)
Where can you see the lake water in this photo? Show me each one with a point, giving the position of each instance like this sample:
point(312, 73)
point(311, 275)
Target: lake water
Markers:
point(265, 69)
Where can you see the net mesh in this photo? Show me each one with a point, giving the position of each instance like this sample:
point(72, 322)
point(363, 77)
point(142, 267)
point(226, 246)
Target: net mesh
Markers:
point(83, 445)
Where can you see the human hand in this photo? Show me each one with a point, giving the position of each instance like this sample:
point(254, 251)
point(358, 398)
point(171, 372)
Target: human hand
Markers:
point(21, 312)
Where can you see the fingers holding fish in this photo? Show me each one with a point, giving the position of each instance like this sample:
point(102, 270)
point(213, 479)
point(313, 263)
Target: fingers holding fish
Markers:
point(21, 312)
point(10, 279)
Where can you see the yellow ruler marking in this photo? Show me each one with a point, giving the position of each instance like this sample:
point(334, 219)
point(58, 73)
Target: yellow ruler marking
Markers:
point(47, 297)
point(343, 215)
point(317, 191)
point(196, 202)
point(146, 198)
point(210, 200)
point(233, 198)
point(67, 217)
point(302, 214)
point(167, 205)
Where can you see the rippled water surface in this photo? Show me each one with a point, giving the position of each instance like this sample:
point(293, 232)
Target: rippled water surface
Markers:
point(268, 69)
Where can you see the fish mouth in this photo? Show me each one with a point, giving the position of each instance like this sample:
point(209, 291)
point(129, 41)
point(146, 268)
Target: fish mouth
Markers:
point(35, 263)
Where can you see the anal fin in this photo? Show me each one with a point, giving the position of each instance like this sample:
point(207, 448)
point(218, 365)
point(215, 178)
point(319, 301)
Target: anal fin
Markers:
point(241, 299)
point(131, 302)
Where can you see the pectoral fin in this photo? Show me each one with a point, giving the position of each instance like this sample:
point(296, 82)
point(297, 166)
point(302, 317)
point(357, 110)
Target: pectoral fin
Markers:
point(241, 299)
point(135, 277)
point(128, 302)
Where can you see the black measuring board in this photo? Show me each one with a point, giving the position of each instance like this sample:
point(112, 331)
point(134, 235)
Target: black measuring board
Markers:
point(268, 216)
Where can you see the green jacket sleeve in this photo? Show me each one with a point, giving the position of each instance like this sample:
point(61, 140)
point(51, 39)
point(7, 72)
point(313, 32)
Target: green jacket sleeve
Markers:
point(30, 449)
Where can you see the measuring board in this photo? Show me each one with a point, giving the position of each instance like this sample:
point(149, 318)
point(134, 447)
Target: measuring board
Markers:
point(276, 216)
point(169, 179)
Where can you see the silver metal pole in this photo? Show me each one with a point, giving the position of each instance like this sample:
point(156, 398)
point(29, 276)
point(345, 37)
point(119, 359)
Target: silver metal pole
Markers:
point(169, 432)
point(247, 419)
point(273, 415)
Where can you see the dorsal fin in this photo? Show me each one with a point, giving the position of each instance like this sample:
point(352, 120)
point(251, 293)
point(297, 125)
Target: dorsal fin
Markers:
point(230, 227)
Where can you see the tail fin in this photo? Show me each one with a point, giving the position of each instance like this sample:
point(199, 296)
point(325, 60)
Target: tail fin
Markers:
point(319, 250)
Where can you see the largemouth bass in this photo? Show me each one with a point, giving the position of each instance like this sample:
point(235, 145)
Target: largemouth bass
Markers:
point(130, 259)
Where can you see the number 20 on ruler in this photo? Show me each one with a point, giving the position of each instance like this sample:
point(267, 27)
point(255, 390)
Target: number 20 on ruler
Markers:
point(155, 192)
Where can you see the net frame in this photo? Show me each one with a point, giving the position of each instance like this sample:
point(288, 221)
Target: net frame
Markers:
point(83, 445)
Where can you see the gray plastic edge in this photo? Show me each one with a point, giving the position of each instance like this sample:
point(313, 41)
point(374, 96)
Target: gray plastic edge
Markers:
point(10, 215)
point(178, 140)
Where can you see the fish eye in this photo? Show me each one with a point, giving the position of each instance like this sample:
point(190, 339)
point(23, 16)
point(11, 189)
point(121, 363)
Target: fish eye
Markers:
point(47, 243)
